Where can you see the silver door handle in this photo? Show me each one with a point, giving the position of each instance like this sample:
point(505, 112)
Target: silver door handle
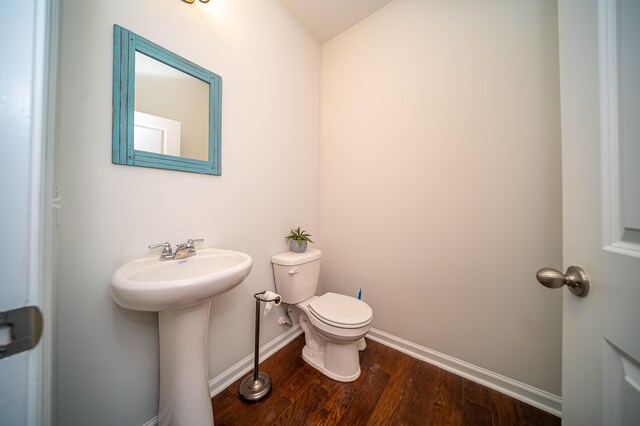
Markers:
point(575, 278)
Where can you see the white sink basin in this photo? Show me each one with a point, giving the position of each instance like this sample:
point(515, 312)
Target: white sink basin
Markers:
point(181, 291)
point(151, 285)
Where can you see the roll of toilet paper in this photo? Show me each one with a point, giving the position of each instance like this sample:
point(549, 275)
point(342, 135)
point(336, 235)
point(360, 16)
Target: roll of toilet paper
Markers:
point(269, 295)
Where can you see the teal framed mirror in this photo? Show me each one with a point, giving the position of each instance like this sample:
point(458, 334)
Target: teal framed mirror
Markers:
point(166, 109)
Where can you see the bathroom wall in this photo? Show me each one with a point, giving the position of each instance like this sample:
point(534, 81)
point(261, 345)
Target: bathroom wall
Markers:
point(440, 178)
point(108, 356)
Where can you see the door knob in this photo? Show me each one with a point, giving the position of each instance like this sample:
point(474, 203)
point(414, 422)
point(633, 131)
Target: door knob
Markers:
point(575, 278)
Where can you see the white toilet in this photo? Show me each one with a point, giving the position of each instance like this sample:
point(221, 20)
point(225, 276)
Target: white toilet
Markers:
point(334, 325)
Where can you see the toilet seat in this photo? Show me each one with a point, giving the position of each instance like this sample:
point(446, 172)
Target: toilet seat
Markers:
point(341, 311)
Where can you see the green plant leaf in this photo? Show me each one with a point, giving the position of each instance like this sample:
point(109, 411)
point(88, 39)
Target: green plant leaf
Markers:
point(299, 235)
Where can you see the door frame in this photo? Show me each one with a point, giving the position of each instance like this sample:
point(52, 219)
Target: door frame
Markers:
point(45, 204)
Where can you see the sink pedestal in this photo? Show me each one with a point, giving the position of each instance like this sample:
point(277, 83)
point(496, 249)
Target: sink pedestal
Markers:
point(184, 378)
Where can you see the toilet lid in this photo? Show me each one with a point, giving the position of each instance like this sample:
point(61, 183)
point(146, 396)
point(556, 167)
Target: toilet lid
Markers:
point(340, 310)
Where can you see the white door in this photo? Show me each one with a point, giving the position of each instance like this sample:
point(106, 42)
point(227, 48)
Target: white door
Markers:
point(23, 214)
point(152, 133)
point(600, 103)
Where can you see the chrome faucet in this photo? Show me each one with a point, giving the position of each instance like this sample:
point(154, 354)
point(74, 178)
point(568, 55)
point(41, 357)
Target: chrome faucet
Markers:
point(182, 250)
point(167, 253)
point(186, 249)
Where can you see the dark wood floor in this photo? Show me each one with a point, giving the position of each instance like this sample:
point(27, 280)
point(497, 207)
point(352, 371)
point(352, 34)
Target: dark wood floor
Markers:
point(393, 389)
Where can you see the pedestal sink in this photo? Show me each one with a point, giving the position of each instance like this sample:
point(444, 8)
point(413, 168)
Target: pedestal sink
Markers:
point(181, 291)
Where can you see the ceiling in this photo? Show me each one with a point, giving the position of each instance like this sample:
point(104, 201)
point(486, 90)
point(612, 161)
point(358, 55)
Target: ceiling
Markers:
point(326, 19)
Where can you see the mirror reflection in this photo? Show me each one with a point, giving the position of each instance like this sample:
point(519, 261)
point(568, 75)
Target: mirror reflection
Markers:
point(167, 110)
point(171, 110)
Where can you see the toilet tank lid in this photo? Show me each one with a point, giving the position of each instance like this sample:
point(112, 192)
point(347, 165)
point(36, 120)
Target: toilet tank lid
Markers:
point(290, 258)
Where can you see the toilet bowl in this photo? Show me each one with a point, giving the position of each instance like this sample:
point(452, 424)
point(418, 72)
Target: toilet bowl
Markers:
point(334, 325)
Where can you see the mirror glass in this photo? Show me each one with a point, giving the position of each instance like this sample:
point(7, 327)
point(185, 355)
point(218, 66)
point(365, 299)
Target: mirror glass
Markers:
point(171, 111)
point(166, 109)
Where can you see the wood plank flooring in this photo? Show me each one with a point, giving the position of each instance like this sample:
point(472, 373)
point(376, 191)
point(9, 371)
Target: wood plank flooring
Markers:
point(393, 389)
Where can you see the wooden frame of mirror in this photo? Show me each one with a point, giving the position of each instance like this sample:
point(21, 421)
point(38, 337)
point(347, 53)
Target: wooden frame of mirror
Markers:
point(125, 44)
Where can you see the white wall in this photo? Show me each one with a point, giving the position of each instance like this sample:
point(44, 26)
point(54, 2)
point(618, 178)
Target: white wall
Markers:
point(108, 356)
point(440, 178)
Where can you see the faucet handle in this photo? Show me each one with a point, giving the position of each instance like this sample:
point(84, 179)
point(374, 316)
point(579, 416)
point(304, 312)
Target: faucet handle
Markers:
point(192, 246)
point(166, 248)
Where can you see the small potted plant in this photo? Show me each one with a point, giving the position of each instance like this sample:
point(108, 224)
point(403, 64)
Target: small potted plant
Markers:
point(298, 240)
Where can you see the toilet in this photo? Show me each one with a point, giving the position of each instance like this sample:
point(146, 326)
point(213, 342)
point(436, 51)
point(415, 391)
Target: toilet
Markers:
point(334, 325)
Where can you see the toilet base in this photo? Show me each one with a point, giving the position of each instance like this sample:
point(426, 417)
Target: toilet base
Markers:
point(317, 361)
point(344, 360)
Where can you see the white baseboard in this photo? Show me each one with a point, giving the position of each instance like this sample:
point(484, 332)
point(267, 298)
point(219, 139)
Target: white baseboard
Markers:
point(152, 422)
point(233, 373)
point(533, 396)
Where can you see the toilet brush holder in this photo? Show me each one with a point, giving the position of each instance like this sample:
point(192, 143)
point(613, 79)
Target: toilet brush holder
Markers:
point(257, 385)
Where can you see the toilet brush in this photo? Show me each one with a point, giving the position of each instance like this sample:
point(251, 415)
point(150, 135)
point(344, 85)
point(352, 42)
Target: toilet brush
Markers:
point(256, 386)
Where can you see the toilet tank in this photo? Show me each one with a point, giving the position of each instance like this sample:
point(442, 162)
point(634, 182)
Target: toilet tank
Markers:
point(296, 274)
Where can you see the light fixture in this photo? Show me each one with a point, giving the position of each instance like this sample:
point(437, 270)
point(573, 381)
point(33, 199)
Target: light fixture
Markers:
point(191, 1)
